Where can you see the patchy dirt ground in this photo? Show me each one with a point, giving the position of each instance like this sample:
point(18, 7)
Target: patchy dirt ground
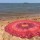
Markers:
point(4, 20)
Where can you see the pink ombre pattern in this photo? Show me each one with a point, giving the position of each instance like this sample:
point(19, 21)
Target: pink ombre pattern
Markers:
point(29, 31)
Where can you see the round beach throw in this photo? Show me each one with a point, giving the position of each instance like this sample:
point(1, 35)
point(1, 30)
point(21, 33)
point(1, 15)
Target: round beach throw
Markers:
point(23, 28)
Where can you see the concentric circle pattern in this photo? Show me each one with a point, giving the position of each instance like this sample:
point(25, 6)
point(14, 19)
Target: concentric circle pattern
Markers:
point(23, 28)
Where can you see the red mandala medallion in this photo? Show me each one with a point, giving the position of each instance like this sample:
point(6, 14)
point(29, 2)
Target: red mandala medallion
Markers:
point(23, 28)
